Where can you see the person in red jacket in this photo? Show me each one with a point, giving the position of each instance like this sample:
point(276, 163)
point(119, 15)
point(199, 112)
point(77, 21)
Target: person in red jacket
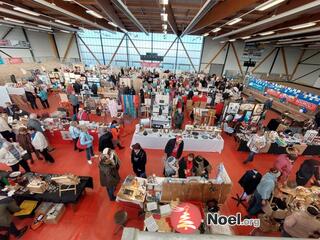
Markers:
point(219, 110)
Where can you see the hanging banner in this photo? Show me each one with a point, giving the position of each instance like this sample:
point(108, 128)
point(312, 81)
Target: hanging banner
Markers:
point(14, 60)
point(291, 95)
point(150, 64)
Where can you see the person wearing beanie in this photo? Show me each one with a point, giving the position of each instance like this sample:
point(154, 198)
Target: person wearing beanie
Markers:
point(302, 224)
point(138, 160)
point(263, 191)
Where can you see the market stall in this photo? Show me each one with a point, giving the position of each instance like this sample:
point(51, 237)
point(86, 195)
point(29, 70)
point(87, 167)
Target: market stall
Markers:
point(55, 188)
point(194, 140)
point(160, 197)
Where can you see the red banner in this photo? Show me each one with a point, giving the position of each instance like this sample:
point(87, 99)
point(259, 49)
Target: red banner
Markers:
point(307, 105)
point(14, 60)
point(290, 99)
point(150, 64)
point(273, 93)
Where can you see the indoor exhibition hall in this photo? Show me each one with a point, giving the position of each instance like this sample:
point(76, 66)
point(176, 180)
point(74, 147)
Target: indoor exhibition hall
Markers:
point(159, 119)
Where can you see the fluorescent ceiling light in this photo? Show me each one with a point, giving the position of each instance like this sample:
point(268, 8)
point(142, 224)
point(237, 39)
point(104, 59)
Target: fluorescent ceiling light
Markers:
point(62, 22)
point(205, 34)
point(216, 30)
point(164, 26)
point(64, 31)
point(164, 17)
point(13, 20)
point(222, 41)
point(19, 9)
point(42, 26)
point(93, 13)
point(234, 21)
point(304, 25)
point(164, 2)
point(112, 24)
point(266, 33)
point(246, 37)
point(269, 4)
point(33, 30)
point(232, 40)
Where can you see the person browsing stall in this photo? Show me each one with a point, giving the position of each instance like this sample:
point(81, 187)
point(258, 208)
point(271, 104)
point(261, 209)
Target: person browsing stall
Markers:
point(139, 160)
point(105, 140)
point(24, 139)
point(12, 154)
point(284, 163)
point(87, 140)
point(308, 169)
point(201, 167)
point(174, 147)
point(263, 191)
point(255, 144)
point(74, 132)
point(40, 143)
point(109, 171)
point(115, 131)
point(171, 167)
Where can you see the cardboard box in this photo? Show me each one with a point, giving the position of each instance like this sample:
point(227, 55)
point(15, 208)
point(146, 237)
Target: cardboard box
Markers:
point(55, 213)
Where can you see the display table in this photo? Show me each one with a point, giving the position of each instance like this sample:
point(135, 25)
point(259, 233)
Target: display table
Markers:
point(274, 148)
point(154, 141)
point(53, 196)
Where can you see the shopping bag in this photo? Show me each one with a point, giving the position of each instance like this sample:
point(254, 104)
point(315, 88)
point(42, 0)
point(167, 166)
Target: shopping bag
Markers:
point(80, 146)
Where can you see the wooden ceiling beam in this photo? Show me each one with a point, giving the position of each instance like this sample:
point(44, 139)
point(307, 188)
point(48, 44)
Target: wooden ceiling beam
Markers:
point(223, 10)
point(110, 11)
point(279, 24)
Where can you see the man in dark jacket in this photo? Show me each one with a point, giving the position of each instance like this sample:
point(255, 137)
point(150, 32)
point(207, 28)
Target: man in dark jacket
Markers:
point(178, 118)
point(105, 140)
point(77, 87)
point(7, 207)
point(201, 167)
point(308, 168)
point(174, 147)
point(138, 160)
point(109, 172)
point(31, 99)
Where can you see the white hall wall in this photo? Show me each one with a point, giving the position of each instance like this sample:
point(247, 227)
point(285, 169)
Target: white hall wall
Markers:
point(292, 54)
point(40, 44)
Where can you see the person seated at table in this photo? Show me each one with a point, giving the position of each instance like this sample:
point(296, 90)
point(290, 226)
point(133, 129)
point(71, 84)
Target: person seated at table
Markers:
point(201, 167)
point(171, 167)
point(174, 147)
point(24, 139)
point(115, 131)
point(40, 144)
point(284, 163)
point(186, 166)
point(12, 110)
point(109, 171)
point(6, 131)
point(227, 129)
point(13, 155)
point(302, 224)
point(138, 160)
point(82, 115)
point(308, 169)
point(8, 207)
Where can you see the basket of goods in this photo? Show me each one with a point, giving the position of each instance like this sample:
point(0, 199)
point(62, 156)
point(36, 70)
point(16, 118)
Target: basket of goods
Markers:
point(37, 186)
point(268, 224)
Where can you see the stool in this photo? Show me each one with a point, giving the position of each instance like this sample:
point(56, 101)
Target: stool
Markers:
point(239, 199)
point(120, 219)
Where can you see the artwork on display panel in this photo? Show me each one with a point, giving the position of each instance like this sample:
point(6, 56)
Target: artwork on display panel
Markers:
point(247, 116)
point(255, 119)
point(233, 108)
point(258, 109)
point(247, 107)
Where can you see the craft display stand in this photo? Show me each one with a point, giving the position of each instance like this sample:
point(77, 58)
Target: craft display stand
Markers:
point(67, 188)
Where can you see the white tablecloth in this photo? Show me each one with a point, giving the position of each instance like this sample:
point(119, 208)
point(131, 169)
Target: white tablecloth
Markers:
point(153, 141)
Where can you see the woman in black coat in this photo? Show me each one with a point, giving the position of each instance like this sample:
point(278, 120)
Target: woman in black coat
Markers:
point(138, 160)
point(174, 147)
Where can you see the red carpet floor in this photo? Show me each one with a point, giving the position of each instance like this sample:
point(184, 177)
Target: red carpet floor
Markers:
point(93, 218)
